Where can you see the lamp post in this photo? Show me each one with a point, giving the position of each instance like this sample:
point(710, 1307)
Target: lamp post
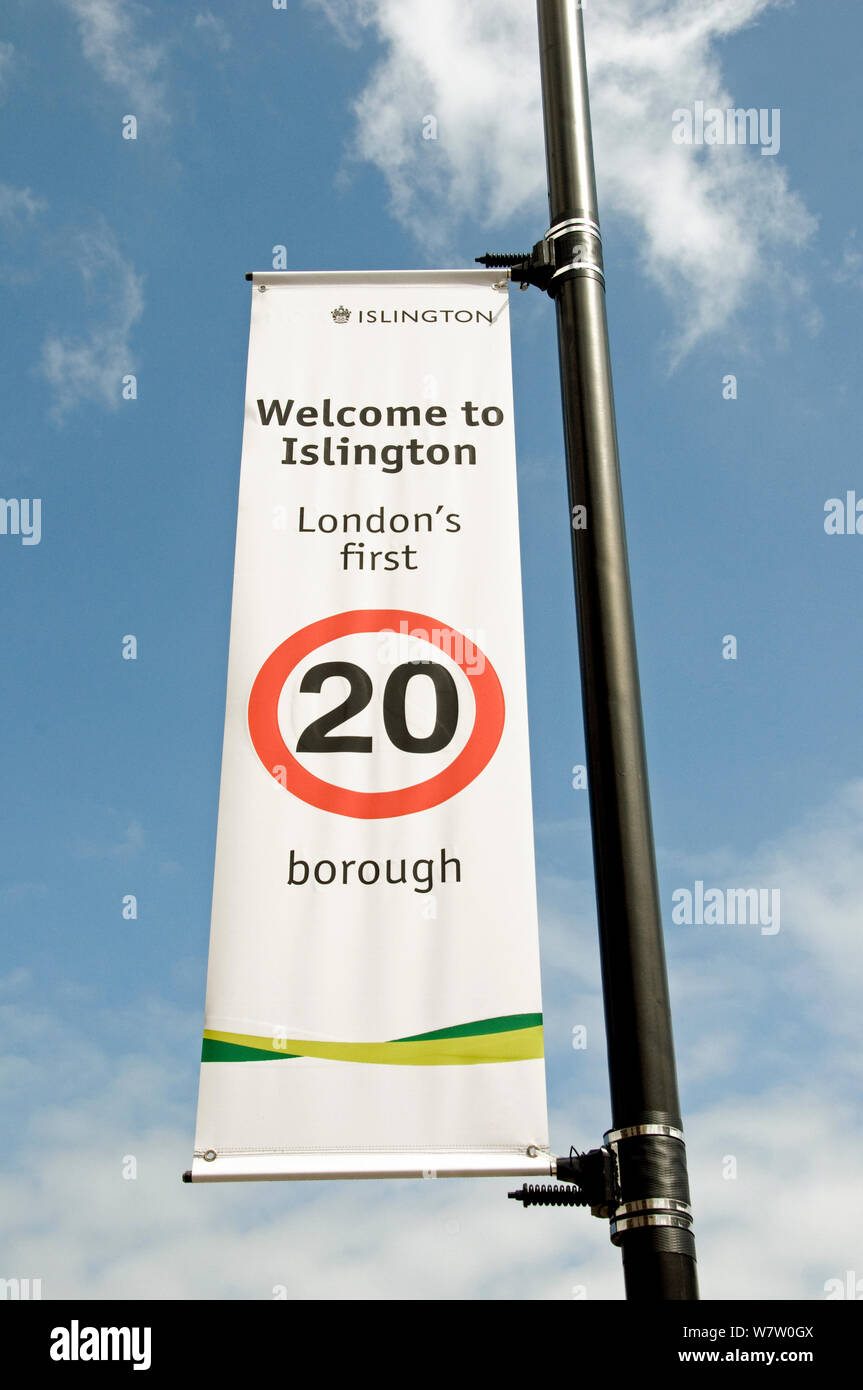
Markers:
point(652, 1221)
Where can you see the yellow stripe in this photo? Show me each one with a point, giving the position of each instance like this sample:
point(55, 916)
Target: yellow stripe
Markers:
point(516, 1045)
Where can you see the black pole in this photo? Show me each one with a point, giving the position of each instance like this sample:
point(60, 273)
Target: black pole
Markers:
point(652, 1223)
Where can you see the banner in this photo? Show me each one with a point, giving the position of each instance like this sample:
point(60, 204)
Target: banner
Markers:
point(373, 994)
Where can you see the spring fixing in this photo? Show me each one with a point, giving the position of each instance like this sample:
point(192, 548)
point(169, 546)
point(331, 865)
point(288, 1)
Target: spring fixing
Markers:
point(545, 1195)
point(495, 260)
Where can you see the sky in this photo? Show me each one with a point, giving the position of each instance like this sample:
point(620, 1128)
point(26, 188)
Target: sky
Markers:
point(302, 126)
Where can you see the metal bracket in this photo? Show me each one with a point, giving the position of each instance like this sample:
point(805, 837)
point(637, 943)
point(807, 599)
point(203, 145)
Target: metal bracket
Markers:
point(526, 268)
point(572, 247)
point(592, 1179)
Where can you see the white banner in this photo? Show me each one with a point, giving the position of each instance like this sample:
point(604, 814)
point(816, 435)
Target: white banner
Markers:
point(373, 995)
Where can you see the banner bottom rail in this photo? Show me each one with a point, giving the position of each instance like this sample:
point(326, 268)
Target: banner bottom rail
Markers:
point(316, 1167)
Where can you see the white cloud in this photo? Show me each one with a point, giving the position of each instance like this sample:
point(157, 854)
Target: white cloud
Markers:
point(747, 982)
point(22, 891)
point(17, 979)
point(72, 1220)
point(776, 1230)
point(127, 847)
point(346, 16)
point(213, 28)
point(7, 53)
point(112, 43)
point(761, 1029)
point(17, 204)
point(820, 868)
point(90, 368)
point(850, 272)
point(712, 224)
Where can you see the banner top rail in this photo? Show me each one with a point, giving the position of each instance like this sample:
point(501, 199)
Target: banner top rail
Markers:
point(478, 276)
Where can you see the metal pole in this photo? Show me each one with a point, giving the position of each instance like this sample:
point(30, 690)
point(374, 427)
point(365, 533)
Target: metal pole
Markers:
point(652, 1224)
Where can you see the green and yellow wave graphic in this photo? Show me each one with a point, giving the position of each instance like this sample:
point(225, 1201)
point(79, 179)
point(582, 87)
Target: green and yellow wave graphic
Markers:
point(513, 1038)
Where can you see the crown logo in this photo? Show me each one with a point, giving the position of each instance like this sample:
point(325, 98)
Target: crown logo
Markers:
point(341, 315)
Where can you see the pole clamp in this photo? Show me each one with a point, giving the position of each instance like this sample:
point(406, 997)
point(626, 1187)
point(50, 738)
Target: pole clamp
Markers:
point(633, 1160)
point(570, 247)
point(651, 1158)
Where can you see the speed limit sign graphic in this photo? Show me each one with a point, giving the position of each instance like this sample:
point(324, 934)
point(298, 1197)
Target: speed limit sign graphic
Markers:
point(464, 723)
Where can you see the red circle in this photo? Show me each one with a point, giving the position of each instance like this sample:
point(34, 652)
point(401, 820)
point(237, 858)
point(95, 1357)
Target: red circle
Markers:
point(274, 752)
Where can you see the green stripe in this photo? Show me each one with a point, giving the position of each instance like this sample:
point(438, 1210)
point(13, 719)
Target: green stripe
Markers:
point(504, 1024)
point(213, 1050)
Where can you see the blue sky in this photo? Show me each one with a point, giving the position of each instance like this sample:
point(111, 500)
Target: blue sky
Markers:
point(303, 128)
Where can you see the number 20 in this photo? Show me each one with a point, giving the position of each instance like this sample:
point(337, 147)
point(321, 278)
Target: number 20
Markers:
point(317, 738)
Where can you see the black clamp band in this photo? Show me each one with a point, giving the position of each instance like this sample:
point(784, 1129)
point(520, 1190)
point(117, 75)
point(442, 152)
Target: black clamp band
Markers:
point(651, 1158)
